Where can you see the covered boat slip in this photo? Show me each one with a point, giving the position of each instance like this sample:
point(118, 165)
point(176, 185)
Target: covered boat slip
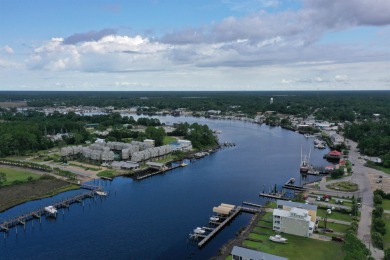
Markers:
point(224, 209)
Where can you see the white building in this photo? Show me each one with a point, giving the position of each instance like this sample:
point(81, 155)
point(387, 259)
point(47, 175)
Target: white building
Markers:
point(296, 221)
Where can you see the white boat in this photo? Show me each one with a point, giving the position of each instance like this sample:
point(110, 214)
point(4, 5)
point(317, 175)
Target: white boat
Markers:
point(278, 238)
point(214, 218)
point(199, 231)
point(51, 210)
point(183, 164)
point(101, 193)
point(320, 146)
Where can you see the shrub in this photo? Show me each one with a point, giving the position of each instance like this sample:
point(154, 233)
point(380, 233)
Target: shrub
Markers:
point(377, 199)
point(377, 240)
point(377, 212)
point(387, 254)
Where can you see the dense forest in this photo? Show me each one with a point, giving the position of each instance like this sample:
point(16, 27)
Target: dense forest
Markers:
point(367, 114)
point(373, 138)
point(27, 131)
point(329, 105)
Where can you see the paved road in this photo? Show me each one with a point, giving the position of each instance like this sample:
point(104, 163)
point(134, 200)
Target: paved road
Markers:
point(360, 177)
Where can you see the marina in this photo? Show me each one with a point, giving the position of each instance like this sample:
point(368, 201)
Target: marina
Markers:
point(199, 233)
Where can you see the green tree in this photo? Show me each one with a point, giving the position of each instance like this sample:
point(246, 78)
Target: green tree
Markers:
point(3, 178)
point(387, 254)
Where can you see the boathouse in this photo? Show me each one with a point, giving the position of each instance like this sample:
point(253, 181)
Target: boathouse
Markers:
point(155, 165)
point(241, 253)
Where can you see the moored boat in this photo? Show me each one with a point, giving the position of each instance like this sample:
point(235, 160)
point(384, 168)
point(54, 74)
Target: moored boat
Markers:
point(199, 230)
point(51, 210)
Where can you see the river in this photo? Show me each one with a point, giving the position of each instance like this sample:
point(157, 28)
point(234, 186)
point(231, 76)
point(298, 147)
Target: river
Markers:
point(152, 218)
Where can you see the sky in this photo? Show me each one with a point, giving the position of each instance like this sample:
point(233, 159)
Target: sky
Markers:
point(187, 45)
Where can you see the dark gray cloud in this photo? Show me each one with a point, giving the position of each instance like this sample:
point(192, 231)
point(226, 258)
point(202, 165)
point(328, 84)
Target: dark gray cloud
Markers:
point(88, 36)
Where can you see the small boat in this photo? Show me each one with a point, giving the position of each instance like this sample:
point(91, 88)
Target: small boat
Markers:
point(199, 231)
point(320, 146)
point(278, 238)
point(214, 218)
point(101, 193)
point(183, 164)
point(51, 210)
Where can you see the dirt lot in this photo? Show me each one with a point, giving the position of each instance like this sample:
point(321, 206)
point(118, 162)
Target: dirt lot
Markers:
point(13, 195)
point(379, 183)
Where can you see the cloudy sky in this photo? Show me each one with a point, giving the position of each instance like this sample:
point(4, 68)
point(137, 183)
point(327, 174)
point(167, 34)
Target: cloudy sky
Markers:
point(194, 45)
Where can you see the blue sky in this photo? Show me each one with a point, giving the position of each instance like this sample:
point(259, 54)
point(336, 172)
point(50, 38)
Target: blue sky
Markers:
point(194, 45)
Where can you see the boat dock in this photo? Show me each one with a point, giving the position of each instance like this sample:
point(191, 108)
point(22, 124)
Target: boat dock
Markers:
point(22, 219)
point(251, 204)
point(221, 225)
point(290, 185)
point(138, 178)
point(277, 196)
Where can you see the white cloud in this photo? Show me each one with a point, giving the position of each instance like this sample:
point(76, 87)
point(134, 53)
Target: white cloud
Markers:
point(8, 49)
point(342, 77)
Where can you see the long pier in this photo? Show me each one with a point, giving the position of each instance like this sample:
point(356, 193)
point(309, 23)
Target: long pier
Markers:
point(138, 178)
point(236, 211)
point(22, 219)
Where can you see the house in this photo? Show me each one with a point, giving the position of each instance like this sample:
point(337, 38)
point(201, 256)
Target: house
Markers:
point(333, 155)
point(288, 205)
point(296, 221)
point(337, 139)
point(241, 253)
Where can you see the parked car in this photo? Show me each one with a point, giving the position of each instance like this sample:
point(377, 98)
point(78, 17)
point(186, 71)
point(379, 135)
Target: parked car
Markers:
point(339, 239)
point(329, 230)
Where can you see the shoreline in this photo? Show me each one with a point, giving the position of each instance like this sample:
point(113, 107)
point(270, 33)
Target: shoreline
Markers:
point(46, 194)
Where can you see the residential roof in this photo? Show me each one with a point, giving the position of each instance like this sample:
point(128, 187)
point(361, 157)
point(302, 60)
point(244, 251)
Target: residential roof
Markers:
point(156, 164)
point(296, 204)
point(256, 255)
point(335, 153)
point(280, 212)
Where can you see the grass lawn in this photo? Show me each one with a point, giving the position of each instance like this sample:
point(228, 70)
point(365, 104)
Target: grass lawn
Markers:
point(345, 203)
point(335, 215)
point(298, 248)
point(168, 158)
point(386, 237)
point(17, 175)
point(336, 227)
point(169, 139)
point(267, 216)
point(107, 173)
point(386, 204)
point(343, 186)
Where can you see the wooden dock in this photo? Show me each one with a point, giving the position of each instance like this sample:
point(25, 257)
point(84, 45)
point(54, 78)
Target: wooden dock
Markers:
point(22, 219)
point(273, 196)
point(138, 178)
point(294, 187)
point(252, 204)
point(236, 211)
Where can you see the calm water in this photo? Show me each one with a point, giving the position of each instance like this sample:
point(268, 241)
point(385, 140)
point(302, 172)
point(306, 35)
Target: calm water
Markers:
point(151, 219)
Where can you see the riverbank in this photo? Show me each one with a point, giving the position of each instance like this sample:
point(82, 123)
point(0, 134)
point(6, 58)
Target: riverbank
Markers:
point(11, 196)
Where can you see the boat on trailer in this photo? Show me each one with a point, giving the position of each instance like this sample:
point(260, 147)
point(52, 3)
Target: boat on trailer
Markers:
point(278, 239)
